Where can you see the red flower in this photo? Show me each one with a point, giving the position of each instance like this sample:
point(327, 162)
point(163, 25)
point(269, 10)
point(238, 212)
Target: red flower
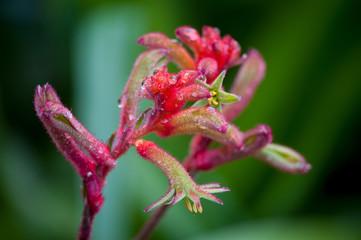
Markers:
point(212, 54)
point(170, 92)
point(224, 51)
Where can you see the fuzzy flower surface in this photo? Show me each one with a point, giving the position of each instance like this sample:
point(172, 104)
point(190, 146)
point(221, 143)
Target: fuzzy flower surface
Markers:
point(181, 185)
point(192, 101)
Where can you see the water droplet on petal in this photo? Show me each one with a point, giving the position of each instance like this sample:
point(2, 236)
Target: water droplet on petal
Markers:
point(180, 97)
point(120, 104)
point(173, 80)
point(101, 150)
point(164, 122)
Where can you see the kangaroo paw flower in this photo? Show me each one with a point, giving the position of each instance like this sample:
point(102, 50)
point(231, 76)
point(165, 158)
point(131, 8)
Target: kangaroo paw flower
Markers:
point(181, 185)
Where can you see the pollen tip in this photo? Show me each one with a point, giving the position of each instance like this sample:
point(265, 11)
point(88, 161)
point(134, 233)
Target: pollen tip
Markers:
point(188, 204)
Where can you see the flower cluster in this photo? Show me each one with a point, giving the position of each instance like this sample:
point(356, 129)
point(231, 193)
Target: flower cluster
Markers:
point(170, 92)
point(212, 54)
point(192, 101)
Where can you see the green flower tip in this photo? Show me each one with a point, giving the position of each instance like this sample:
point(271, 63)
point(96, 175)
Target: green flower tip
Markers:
point(218, 96)
point(190, 193)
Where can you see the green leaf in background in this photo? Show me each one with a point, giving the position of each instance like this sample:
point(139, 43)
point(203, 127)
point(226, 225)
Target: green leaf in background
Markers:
point(311, 228)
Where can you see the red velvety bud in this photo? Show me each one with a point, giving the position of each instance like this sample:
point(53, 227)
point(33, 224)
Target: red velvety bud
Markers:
point(224, 51)
point(47, 105)
point(186, 77)
point(159, 82)
point(234, 49)
point(160, 41)
point(177, 99)
point(210, 33)
point(209, 67)
point(171, 91)
point(191, 37)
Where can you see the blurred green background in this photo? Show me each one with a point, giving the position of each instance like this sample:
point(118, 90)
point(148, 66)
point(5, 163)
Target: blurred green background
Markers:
point(311, 97)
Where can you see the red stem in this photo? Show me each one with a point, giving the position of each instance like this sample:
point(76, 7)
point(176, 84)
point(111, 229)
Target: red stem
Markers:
point(152, 223)
point(86, 223)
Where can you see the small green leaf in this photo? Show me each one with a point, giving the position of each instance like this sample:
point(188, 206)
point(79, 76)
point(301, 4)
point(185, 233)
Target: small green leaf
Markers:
point(218, 107)
point(218, 82)
point(225, 97)
point(200, 103)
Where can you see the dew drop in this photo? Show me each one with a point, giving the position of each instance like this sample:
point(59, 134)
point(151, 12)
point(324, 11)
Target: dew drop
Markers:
point(194, 94)
point(180, 97)
point(101, 151)
point(164, 122)
point(131, 117)
point(120, 104)
point(173, 80)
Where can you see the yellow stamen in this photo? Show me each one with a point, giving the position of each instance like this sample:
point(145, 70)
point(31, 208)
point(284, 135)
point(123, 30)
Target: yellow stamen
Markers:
point(215, 102)
point(213, 93)
point(195, 208)
point(188, 204)
point(210, 101)
point(200, 209)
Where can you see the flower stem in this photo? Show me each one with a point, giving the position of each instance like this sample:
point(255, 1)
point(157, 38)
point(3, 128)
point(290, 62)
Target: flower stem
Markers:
point(86, 223)
point(152, 223)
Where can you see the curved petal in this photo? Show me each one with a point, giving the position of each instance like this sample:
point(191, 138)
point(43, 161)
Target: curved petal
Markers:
point(162, 200)
point(178, 54)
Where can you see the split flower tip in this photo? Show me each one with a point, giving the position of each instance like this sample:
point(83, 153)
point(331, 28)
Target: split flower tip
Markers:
point(173, 196)
point(72, 139)
point(181, 185)
point(43, 95)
